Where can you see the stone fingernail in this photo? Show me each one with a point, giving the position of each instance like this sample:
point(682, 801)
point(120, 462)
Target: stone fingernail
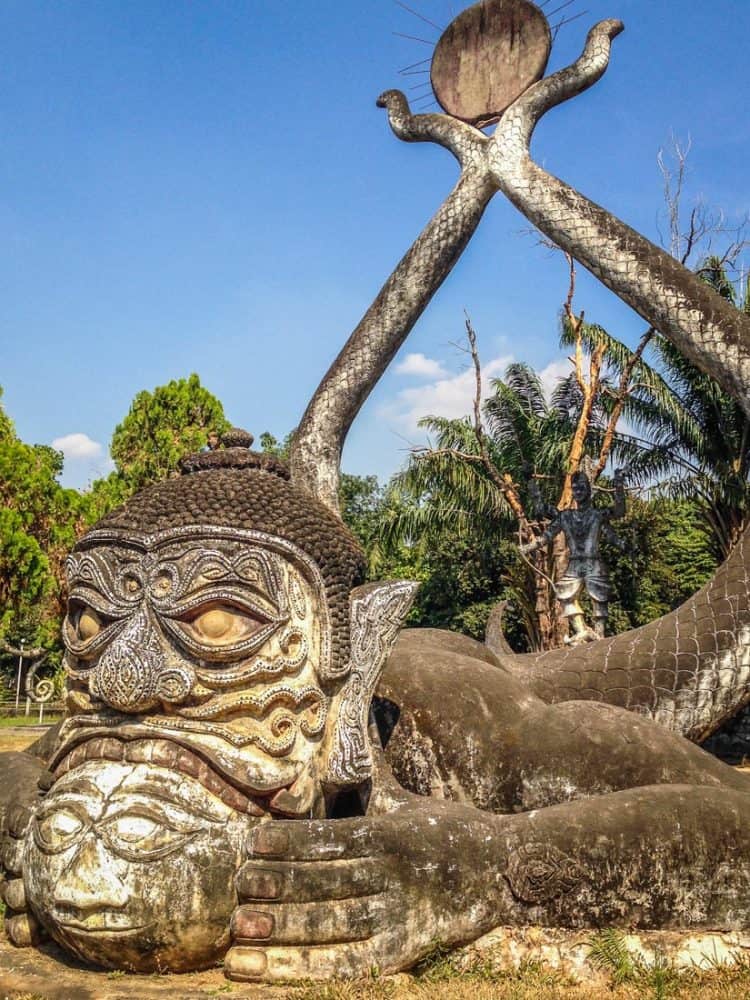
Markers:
point(14, 894)
point(245, 963)
point(18, 820)
point(45, 781)
point(268, 839)
point(252, 924)
point(260, 884)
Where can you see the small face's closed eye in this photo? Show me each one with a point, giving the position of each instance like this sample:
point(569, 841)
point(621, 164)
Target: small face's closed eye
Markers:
point(57, 830)
point(140, 836)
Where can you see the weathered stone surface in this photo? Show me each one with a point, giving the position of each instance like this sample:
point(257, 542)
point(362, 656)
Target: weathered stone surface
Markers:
point(503, 748)
point(128, 869)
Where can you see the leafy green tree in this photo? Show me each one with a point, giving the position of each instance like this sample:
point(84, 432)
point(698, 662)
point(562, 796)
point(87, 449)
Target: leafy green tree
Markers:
point(161, 427)
point(360, 501)
point(39, 521)
point(696, 432)
point(272, 446)
point(473, 483)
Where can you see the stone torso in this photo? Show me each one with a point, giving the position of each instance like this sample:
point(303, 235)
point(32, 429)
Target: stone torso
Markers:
point(582, 530)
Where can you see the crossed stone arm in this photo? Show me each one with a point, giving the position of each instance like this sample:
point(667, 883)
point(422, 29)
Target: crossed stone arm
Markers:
point(318, 441)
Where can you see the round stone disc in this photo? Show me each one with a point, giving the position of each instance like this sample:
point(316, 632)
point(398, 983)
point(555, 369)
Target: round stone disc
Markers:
point(488, 56)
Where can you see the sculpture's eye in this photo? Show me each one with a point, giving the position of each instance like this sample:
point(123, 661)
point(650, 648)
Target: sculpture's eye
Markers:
point(58, 830)
point(222, 624)
point(84, 623)
point(137, 836)
point(88, 624)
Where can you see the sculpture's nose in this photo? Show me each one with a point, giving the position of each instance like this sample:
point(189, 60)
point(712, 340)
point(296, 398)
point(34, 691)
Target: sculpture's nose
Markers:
point(89, 883)
point(127, 675)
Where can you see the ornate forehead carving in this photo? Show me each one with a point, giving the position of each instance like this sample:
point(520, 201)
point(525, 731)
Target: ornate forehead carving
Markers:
point(218, 633)
point(171, 544)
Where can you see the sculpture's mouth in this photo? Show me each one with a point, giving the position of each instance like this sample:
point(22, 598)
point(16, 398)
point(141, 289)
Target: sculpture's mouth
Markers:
point(243, 782)
point(102, 925)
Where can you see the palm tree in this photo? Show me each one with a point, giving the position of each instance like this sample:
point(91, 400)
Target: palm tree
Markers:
point(687, 433)
point(472, 484)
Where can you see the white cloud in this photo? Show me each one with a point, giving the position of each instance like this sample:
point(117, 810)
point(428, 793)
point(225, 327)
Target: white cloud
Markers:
point(421, 366)
point(451, 395)
point(552, 373)
point(77, 446)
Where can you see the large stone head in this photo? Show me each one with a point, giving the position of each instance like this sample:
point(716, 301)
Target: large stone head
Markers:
point(221, 654)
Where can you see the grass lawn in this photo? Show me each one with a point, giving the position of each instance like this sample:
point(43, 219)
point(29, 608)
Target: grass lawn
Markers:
point(19, 733)
point(32, 719)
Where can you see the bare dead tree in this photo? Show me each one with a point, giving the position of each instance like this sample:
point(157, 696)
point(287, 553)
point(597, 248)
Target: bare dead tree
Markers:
point(695, 237)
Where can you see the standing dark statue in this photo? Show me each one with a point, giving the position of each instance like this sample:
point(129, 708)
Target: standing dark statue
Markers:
point(583, 528)
point(256, 766)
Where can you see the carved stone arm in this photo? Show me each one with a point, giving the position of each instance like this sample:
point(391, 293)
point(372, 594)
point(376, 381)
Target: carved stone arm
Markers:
point(618, 508)
point(461, 139)
point(614, 539)
point(316, 447)
point(519, 121)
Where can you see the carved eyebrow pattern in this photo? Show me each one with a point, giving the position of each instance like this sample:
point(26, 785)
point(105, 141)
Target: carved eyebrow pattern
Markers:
point(102, 574)
point(254, 569)
point(120, 575)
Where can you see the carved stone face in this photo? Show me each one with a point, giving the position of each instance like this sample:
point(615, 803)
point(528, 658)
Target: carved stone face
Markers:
point(130, 865)
point(214, 638)
point(581, 489)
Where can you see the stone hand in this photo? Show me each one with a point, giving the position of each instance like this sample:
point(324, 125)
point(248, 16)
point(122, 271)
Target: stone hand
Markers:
point(343, 897)
point(20, 778)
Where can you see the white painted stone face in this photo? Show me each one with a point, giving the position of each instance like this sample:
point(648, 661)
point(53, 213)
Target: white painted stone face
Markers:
point(217, 640)
point(132, 866)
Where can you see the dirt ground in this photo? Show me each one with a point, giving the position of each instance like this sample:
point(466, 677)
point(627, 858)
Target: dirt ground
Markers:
point(31, 974)
point(19, 737)
point(48, 974)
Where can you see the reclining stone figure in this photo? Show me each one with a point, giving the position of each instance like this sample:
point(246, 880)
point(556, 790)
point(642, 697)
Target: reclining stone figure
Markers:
point(237, 776)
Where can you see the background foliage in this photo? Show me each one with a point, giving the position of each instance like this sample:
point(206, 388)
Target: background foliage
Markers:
point(450, 519)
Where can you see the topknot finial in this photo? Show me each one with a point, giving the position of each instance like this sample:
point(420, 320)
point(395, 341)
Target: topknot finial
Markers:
point(232, 451)
point(236, 437)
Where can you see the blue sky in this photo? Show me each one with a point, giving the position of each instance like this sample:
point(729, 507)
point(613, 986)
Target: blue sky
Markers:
point(208, 186)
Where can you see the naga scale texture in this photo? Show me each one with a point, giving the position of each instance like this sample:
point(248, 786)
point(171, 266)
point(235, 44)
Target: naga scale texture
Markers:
point(226, 785)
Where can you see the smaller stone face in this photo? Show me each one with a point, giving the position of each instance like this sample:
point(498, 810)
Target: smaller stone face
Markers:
point(488, 56)
point(131, 866)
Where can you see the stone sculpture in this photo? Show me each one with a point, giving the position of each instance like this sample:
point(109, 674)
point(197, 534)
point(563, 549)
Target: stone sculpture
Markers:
point(225, 782)
point(583, 527)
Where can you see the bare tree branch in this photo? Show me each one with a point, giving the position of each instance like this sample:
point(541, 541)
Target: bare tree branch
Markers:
point(624, 389)
point(703, 228)
point(26, 653)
